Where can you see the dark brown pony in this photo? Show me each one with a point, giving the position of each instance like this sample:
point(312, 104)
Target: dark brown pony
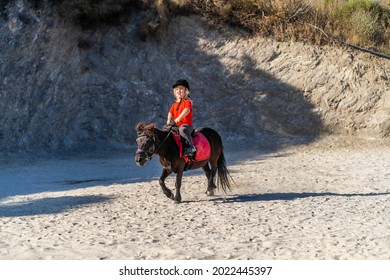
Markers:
point(152, 140)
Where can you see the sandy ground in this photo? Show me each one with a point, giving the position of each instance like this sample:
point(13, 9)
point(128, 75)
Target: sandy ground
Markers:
point(329, 199)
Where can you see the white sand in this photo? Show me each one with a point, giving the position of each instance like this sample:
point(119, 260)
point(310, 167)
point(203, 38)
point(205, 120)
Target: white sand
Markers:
point(326, 200)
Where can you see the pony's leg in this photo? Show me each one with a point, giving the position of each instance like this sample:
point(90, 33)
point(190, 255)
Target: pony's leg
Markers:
point(210, 174)
point(165, 173)
point(206, 170)
point(179, 177)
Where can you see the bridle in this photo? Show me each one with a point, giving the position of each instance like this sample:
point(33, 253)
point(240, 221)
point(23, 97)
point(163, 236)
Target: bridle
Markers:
point(149, 147)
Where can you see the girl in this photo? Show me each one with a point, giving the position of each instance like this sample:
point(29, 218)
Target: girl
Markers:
point(180, 114)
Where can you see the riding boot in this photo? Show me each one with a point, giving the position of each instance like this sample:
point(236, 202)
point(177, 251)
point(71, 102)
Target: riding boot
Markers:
point(189, 150)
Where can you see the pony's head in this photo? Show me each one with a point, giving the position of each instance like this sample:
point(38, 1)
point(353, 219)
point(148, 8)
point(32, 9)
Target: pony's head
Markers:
point(146, 143)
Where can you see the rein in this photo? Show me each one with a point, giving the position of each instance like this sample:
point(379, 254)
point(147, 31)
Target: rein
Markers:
point(166, 137)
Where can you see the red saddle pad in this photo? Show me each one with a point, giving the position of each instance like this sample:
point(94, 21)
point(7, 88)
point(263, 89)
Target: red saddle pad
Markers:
point(201, 143)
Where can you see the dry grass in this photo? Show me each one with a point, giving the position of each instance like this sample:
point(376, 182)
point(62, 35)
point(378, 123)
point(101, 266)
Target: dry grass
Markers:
point(363, 22)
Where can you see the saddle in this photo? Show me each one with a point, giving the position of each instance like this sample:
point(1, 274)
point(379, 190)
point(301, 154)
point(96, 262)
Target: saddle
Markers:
point(201, 143)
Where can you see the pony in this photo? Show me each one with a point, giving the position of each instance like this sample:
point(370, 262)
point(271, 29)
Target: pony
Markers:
point(151, 140)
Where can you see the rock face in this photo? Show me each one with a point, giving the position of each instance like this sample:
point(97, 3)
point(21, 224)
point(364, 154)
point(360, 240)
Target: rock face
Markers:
point(67, 89)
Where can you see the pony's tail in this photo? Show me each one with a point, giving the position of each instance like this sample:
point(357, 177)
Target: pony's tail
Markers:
point(224, 178)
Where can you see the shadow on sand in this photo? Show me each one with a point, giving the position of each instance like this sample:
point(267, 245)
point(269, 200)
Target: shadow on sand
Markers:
point(289, 196)
point(50, 205)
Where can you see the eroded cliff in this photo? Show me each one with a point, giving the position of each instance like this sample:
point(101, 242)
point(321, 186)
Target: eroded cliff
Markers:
point(65, 88)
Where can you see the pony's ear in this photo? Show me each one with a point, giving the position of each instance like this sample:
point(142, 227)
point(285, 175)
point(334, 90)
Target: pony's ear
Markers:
point(139, 127)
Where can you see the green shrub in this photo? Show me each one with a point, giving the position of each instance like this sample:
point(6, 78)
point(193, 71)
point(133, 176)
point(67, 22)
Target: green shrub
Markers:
point(363, 29)
point(362, 21)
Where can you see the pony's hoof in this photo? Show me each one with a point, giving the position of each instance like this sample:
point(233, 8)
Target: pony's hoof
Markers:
point(177, 199)
point(210, 193)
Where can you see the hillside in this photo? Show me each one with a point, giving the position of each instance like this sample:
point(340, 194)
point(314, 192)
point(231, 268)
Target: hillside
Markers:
point(64, 88)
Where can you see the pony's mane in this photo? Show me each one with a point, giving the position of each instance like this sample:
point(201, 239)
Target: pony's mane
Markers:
point(147, 128)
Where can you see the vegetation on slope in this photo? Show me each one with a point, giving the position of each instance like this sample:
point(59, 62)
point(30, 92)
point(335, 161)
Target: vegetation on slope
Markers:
point(362, 22)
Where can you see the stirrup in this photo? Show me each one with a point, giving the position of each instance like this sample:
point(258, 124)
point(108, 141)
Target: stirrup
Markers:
point(189, 151)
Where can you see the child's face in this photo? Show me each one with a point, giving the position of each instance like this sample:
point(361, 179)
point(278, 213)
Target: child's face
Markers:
point(179, 92)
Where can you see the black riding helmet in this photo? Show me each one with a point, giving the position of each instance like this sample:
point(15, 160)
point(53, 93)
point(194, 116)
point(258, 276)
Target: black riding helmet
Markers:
point(183, 83)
